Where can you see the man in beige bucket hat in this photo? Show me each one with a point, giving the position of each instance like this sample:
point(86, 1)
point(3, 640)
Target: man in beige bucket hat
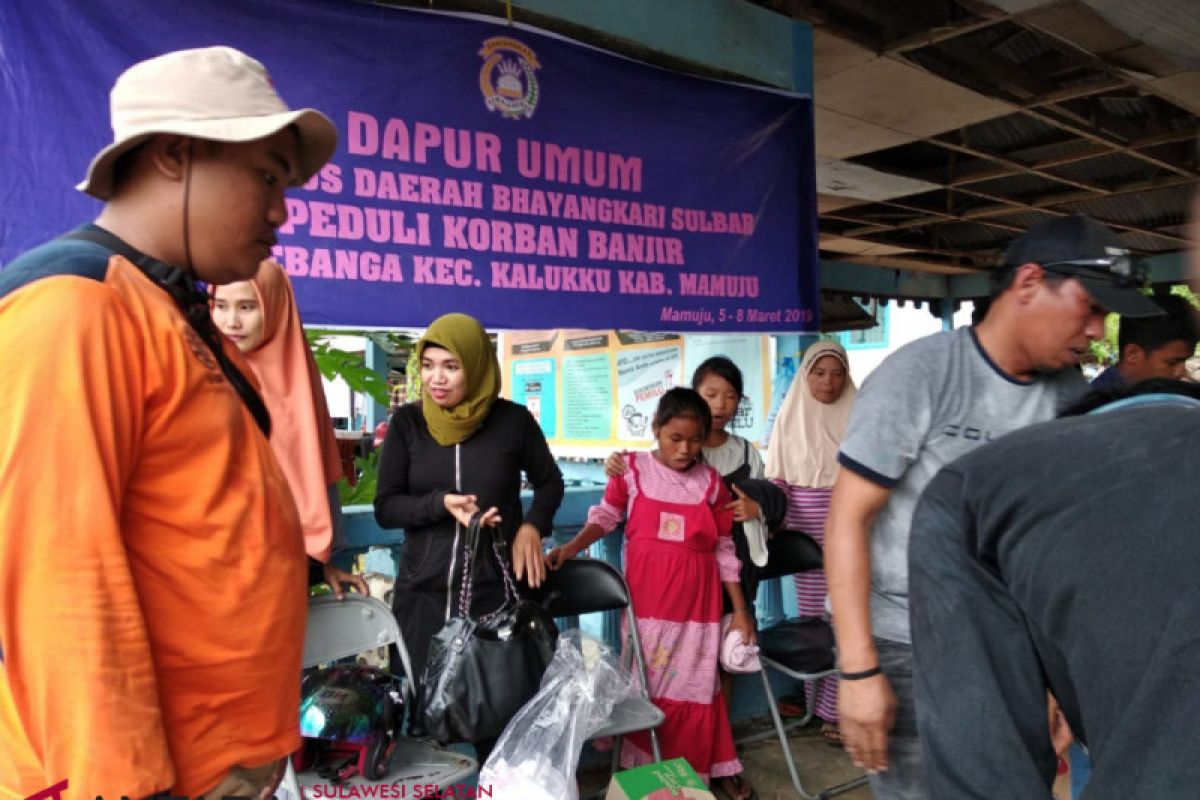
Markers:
point(151, 558)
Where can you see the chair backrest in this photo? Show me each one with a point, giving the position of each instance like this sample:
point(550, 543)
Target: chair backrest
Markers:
point(789, 552)
point(584, 585)
point(347, 627)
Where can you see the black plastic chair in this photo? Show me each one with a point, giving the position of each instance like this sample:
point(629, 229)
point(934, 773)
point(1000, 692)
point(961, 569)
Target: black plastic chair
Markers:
point(586, 585)
point(801, 648)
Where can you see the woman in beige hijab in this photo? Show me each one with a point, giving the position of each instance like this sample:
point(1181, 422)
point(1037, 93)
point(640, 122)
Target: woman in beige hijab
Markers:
point(802, 460)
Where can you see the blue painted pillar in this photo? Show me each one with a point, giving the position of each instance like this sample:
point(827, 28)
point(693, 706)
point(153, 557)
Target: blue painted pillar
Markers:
point(376, 359)
point(946, 312)
point(789, 349)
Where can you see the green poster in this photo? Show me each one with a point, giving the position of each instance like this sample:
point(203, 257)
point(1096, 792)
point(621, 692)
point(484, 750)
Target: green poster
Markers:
point(587, 399)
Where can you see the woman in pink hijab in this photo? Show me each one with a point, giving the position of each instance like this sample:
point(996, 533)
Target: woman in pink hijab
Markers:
point(261, 318)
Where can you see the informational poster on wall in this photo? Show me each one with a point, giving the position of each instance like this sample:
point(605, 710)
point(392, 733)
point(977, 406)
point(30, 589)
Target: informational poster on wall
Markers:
point(533, 387)
point(644, 374)
point(751, 354)
point(596, 391)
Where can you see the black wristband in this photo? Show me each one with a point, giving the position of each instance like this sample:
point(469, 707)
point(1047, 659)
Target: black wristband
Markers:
point(860, 676)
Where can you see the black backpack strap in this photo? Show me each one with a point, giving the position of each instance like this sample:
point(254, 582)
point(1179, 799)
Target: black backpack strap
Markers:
point(194, 305)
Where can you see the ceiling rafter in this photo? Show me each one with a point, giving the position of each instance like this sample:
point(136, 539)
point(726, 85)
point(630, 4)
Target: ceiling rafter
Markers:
point(1075, 92)
point(1069, 107)
point(941, 33)
point(1007, 205)
point(930, 219)
point(1017, 166)
point(946, 69)
point(1097, 151)
point(1093, 136)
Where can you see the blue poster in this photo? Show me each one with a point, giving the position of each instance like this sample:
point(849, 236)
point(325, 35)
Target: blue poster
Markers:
point(533, 386)
point(484, 168)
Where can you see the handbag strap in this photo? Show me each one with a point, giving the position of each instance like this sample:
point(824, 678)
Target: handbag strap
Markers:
point(470, 543)
point(470, 551)
point(510, 587)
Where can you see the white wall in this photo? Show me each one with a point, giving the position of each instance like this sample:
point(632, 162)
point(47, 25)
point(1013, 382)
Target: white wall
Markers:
point(907, 323)
point(342, 402)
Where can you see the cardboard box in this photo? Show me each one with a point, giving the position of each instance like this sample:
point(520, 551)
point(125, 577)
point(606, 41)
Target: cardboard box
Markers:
point(665, 780)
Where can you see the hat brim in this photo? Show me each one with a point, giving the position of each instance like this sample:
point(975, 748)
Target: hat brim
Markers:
point(318, 139)
point(1127, 302)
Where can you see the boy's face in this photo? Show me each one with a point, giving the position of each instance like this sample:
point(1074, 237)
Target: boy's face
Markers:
point(236, 203)
point(1168, 361)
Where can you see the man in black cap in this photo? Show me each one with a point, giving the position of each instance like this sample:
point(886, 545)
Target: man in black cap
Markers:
point(927, 404)
point(1065, 558)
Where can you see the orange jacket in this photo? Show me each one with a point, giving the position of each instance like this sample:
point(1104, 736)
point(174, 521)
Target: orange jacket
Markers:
point(152, 568)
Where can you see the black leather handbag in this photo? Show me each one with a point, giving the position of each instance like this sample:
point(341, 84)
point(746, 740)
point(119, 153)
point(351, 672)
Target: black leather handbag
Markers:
point(480, 672)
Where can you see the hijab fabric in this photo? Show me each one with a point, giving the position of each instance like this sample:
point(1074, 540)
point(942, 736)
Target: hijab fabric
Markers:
point(804, 444)
point(463, 336)
point(302, 431)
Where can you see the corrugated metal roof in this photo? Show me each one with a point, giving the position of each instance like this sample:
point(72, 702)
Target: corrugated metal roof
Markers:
point(1020, 187)
point(1020, 46)
point(1100, 121)
point(1014, 132)
point(1109, 171)
point(1148, 209)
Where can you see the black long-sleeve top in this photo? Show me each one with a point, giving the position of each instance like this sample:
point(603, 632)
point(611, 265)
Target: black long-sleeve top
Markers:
point(416, 473)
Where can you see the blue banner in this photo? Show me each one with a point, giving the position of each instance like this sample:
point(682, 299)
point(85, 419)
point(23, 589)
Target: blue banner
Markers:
point(496, 170)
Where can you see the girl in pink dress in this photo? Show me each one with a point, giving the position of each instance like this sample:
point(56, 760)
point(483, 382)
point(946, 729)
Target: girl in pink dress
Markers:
point(678, 556)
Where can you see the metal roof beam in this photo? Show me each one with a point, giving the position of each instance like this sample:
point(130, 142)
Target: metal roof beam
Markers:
point(941, 33)
point(864, 280)
point(1172, 137)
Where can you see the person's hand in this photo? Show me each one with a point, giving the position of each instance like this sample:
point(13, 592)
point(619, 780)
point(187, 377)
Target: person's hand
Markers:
point(461, 506)
point(867, 710)
point(743, 623)
point(465, 506)
point(527, 555)
point(614, 465)
point(744, 509)
point(339, 580)
point(560, 555)
point(1060, 732)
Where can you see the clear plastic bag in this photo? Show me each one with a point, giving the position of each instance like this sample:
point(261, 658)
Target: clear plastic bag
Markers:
point(536, 756)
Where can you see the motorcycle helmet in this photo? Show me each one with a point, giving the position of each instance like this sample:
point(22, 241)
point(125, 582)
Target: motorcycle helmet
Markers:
point(349, 719)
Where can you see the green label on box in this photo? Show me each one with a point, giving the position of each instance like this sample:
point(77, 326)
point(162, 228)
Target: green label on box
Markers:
point(674, 774)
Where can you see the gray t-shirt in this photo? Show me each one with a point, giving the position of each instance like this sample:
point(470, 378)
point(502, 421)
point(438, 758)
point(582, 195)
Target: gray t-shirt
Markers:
point(927, 404)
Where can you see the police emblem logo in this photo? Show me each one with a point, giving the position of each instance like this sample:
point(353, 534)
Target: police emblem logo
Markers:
point(507, 77)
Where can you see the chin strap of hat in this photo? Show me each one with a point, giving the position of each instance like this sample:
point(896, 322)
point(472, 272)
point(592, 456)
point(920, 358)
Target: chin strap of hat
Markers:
point(194, 305)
